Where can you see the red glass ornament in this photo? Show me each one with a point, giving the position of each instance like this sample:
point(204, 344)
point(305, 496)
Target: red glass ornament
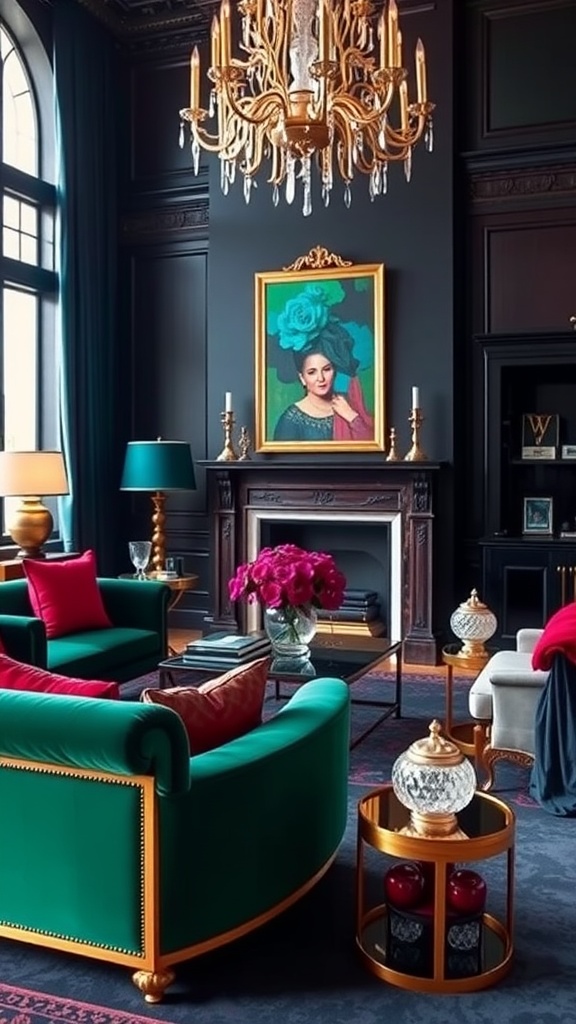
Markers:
point(404, 885)
point(466, 891)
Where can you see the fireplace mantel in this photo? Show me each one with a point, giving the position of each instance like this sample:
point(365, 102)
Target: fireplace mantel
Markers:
point(236, 489)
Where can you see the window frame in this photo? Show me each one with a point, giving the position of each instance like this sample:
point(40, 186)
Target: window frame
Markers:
point(42, 193)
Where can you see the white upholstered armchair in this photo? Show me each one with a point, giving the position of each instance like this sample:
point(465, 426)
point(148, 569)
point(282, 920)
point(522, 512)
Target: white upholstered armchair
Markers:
point(503, 700)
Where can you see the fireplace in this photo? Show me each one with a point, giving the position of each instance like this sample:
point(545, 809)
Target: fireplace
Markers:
point(376, 518)
point(369, 562)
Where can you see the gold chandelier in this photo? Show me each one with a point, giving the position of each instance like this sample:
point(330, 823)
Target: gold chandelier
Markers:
point(314, 79)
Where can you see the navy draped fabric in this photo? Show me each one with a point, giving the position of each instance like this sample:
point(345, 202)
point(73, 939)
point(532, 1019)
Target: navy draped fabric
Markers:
point(553, 779)
point(85, 68)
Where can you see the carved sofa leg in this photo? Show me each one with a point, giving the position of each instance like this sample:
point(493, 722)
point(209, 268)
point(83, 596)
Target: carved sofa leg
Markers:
point(492, 754)
point(153, 983)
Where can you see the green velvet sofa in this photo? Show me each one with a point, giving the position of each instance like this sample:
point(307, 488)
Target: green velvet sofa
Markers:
point(133, 646)
point(123, 847)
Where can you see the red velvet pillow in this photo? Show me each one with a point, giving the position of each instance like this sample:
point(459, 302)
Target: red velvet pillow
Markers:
point(65, 594)
point(219, 710)
point(14, 675)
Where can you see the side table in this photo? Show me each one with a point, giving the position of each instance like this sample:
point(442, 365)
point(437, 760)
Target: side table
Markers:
point(489, 825)
point(464, 734)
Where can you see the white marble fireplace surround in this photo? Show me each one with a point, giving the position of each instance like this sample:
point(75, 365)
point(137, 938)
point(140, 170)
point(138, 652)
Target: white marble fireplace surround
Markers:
point(257, 518)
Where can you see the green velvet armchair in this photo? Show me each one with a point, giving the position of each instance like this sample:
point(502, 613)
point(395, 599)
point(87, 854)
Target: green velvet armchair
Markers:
point(134, 646)
point(124, 848)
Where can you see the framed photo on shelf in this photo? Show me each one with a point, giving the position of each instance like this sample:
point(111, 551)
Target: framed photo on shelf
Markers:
point(319, 359)
point(537, 517)
point(540, 435)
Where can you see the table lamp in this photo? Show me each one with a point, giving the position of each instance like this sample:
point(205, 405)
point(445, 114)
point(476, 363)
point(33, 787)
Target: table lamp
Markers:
point(27, 475)
point(158, 466)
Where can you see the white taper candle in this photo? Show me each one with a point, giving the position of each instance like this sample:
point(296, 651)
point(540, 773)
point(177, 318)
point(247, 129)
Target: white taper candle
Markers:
point(415, 398)
point(228, 403)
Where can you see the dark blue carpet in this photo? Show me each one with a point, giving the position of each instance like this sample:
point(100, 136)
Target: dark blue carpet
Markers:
point(304, 967)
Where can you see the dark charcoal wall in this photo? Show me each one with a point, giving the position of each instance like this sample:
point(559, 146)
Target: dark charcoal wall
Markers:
point(409, 230)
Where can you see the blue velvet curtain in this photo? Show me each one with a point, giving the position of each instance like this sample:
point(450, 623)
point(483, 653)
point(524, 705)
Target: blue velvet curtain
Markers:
point(86, 78)
point(553, 778)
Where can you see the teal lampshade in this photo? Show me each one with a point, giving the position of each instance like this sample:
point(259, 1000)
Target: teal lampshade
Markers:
point(158, 466)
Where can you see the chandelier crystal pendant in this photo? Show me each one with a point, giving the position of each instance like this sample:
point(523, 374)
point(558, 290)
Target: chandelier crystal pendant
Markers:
point(315, 83)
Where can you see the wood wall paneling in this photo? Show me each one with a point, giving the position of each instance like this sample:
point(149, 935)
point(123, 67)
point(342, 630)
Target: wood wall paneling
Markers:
point(523, 80)
point(168, 284)
point(530, 272)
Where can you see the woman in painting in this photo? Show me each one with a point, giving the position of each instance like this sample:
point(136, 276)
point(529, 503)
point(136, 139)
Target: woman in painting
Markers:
point(332, 407)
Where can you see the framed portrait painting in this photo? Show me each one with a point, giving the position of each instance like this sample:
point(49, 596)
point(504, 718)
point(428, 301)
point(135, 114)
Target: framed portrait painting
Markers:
point(320, 381)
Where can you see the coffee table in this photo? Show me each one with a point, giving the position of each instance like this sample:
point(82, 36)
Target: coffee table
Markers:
point(343, 656)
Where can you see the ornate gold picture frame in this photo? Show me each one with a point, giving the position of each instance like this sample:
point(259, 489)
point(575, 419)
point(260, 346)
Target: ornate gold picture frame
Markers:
point(320, 380)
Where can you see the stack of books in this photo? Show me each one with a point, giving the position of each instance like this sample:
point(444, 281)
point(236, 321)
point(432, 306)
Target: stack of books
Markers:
point(359, 614)
point(226, 650)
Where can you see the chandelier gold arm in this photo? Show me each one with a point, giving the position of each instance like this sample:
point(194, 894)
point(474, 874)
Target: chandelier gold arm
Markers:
point(243, 108)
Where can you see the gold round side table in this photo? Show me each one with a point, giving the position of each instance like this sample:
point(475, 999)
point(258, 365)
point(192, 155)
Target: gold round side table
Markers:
point(463, 734)
point(489, 826)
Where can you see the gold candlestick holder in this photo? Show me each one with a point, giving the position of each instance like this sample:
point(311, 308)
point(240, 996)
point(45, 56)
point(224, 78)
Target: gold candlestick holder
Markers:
point(227, 454)
point(244, 445)
point(415, 454)
point(393, 453)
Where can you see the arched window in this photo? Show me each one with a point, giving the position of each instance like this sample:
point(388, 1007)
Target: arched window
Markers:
point(28, 417)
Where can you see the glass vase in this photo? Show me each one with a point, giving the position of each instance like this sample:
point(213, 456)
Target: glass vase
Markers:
point(290, 629)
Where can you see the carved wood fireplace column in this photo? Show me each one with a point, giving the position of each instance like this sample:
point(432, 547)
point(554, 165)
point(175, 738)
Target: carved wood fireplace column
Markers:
point(362, 492)
point(223, 510)
point(419, 558)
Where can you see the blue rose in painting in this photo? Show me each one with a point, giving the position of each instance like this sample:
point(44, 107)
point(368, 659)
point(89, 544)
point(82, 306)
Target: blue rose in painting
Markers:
point(302, 318)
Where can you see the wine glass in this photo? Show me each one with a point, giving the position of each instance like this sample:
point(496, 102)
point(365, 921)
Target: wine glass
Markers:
point(140, 551)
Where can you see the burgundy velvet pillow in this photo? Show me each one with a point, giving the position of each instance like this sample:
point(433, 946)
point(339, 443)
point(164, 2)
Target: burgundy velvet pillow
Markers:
point(65, 594)
point(14, 675)
point(219, 710)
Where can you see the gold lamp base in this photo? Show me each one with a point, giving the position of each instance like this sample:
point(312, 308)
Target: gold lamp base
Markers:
point(31, 527)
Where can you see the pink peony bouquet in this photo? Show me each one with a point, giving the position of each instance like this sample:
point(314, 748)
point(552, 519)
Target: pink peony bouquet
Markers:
point(286, 576)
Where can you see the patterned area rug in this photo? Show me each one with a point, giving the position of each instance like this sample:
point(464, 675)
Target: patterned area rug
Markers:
point(22, 1006)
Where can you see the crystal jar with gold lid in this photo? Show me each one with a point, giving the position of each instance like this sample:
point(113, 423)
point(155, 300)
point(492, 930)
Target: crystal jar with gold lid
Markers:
point(434, 780)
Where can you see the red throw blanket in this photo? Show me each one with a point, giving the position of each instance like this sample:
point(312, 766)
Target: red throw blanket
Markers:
point(559, 637)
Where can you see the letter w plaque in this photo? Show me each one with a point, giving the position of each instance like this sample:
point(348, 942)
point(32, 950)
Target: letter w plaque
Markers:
point(540, 435)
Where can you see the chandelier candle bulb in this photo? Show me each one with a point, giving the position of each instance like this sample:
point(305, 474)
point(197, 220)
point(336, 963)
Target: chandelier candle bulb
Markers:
point(325, 20)
point(404, 104)
point(228, 401)
point(215, 42)
point(421, 89)
point(392, 33)
point(415, 398)
point(382, 38)
point(195, 79)
point(398, 60)
point(225, 32)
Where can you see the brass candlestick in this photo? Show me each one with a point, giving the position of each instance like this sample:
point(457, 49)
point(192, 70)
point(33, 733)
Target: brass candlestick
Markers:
point(244, 445)
point(393, 454)
point(415, 454)
point(227, 454)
